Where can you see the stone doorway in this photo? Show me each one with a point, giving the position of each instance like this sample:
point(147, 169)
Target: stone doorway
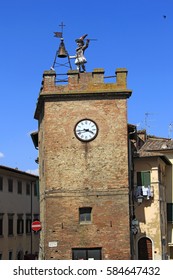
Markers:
point(145, 249)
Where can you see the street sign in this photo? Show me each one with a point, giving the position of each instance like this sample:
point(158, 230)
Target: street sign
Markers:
point(36, 226)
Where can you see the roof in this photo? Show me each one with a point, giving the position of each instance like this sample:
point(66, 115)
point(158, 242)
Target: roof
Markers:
point(155, 146)
point(15, 170)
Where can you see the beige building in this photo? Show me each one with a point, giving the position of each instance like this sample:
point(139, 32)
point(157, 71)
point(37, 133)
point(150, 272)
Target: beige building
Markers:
point(19, 206)
point(153, 199)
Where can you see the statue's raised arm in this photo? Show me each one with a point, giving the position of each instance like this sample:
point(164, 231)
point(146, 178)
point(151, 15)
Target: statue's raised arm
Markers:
point(80, 59)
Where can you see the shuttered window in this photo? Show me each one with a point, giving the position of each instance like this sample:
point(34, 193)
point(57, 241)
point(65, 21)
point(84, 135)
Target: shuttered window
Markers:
point(143, 178)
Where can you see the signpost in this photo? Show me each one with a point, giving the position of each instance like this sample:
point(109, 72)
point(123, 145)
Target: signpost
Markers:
point(36, 226)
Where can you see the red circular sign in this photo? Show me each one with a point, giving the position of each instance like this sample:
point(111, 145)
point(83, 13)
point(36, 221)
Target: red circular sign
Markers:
point(36, 226)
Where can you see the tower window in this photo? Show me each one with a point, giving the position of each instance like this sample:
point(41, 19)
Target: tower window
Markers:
point(85, 214)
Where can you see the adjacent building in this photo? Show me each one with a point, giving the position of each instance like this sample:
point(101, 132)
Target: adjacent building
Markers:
point(152, 198)
point(19, 206)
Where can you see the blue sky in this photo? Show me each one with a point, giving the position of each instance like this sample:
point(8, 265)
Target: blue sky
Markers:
point(130, 33)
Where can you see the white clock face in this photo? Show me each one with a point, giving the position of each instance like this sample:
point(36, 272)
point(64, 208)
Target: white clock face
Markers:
point(86, 130)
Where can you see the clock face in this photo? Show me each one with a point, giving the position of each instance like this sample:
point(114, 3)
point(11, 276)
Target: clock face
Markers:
point(86, 130)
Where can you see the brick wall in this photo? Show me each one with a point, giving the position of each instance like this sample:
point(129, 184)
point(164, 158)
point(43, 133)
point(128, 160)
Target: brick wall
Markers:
point(108, 229)
point(75, 174)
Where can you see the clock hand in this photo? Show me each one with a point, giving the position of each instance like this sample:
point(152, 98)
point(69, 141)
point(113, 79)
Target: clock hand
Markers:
point(90, 131)
point(85, 130)
point(81, 130)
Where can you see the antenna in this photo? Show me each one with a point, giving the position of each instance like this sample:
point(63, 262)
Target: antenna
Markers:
point(170, 130)
point(147, 121)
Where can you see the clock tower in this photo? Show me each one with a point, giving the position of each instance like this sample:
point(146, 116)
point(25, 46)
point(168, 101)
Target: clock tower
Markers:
point(83, 166)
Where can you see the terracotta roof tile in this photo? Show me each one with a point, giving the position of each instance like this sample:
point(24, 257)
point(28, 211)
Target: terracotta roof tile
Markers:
point(156, 147)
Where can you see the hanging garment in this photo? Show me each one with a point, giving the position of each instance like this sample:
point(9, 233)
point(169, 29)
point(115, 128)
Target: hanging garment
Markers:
point(138, 191)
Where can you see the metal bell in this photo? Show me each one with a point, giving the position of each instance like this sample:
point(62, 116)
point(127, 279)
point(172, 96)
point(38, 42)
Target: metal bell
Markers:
point(62, 51)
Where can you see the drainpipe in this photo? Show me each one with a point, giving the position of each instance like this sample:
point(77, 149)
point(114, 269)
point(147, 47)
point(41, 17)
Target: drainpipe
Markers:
point(131, 198)
point(31, 214)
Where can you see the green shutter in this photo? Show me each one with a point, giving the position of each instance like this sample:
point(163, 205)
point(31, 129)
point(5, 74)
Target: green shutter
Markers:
point(143, 178)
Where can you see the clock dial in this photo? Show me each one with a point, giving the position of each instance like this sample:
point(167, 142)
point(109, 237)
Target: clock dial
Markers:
point(86, 130)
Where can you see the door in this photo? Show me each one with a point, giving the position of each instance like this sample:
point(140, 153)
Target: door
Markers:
point(145, 249)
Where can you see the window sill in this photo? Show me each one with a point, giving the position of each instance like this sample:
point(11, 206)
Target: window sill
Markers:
point(85, 223)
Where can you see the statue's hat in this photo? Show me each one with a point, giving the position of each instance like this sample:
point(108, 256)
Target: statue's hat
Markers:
point(81, 39)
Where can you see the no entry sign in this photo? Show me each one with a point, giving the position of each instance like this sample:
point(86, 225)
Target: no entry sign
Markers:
point(36, 226)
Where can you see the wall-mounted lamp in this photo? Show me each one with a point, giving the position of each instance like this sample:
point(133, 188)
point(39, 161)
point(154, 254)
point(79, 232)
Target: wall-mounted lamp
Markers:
point(134, 225)
point(139, 199)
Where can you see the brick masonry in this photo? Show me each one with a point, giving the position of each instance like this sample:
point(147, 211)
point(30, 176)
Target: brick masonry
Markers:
point(75, 174)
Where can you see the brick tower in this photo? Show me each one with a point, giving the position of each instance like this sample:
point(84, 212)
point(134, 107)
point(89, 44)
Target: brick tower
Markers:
point(83, 161)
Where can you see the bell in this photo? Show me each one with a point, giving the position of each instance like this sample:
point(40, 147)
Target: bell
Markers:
point(62, 51)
